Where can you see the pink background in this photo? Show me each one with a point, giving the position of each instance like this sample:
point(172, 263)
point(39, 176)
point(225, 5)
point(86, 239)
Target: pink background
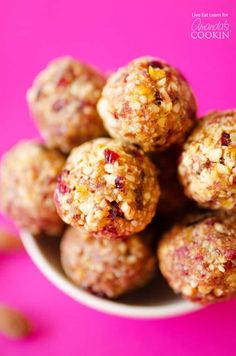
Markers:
point(107, 34)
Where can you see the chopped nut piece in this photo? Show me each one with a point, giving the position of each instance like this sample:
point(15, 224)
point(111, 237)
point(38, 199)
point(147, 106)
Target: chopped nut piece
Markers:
point(156, 73)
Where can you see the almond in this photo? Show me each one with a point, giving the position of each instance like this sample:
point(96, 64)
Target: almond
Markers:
point(13, 324)
point(8, 241)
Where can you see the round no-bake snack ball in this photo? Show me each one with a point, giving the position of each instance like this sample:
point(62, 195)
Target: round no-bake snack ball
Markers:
point(63, 101)
point(27, 182)
point(148, 103)
point(107, 187)
point(199, 259)
point(207, 167)
point(107, 268)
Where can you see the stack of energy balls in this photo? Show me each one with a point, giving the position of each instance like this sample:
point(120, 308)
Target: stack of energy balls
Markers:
point(109, 189)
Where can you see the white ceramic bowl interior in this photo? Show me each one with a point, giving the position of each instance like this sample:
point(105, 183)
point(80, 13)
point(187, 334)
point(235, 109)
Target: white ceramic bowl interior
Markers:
point(153, 301)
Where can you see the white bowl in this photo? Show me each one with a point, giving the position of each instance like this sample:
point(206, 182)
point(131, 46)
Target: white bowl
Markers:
point(154, 301)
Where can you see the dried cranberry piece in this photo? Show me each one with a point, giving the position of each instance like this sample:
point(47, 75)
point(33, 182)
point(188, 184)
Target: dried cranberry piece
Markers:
point(109, 229)
point(156, 64)
point(158, 99)
point(116, 116)
point(207, 163)
point(76, 217)
point(67, 77)
point(63, 82)
point(230, 254)
point(115, 211)
point(58, 105)
point(110, 156)
point(225, 139)
point(119, 183)
point(229, 264)
point(234, 180)
point(199, 258)
point(126, 110)
point(61, 185)
point(182, 251)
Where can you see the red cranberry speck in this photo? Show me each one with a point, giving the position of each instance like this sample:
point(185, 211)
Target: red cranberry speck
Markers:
point(230, 254)
point(62, 82)
point(116, 116)
point(119, 183)
point(156, 64)
point(225, 139)
point(110, 156)
point(109, 229)
point(61, 185)
point(58, 105)
point(115, 211)
point(207, 163)
point(158, 98)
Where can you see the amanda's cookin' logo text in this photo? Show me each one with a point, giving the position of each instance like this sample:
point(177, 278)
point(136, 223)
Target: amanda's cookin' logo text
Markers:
point(210, 26)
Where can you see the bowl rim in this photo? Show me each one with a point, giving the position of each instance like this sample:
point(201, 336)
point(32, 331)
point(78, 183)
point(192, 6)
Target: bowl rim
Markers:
point(111, 307)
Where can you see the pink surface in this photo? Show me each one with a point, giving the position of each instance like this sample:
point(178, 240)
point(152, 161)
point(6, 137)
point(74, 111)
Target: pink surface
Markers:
point(108, 35)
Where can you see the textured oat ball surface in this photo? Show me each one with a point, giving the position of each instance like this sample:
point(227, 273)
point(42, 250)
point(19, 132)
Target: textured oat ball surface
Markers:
point(63, 101)
point(27, 183)
point(148, 103)
point(107, 268)
point(199, 260)
point(108, 188)
point(208, 165)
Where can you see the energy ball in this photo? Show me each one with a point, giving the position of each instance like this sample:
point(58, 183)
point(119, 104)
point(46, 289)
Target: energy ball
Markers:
point(107, 268)
point(108, 188)
point(27, 182)
point(172, 199)
point(63, 101)
point(199, 259)
point(148, 103)
point(207, 168)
